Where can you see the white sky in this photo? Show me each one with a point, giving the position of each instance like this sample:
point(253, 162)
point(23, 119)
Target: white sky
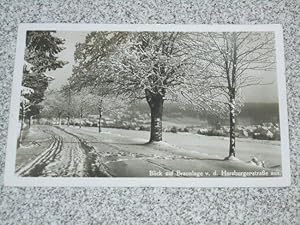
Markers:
point(259, 93)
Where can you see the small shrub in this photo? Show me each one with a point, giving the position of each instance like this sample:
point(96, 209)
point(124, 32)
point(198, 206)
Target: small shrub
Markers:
point(174, 129)
point(185, 129)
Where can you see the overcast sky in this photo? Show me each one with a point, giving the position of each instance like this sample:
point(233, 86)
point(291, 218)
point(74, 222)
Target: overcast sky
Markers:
point(259, 93)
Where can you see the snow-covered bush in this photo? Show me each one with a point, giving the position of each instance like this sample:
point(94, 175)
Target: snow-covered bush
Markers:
point(267, 131)
point(174, 129)
point(202, 131)
point(186, 129)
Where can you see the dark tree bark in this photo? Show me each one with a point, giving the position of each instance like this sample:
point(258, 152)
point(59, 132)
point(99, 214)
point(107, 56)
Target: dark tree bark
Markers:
point(99, 123)
point(81, 115)
point(155, 102)
point(59, 119)
point(29, 121)
point(80, 120)
point(22, 121)
point(232, 127)
point(68, 120)
point(69, 104)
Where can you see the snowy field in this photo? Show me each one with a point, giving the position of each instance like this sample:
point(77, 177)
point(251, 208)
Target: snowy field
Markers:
point(70, 151)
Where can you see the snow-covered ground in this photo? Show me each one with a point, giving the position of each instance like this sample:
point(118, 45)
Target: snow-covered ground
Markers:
point(246, 149)
point(117, 152)
point(56, 153)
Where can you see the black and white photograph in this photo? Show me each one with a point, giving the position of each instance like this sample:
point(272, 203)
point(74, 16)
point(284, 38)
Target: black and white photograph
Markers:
point(165, 102)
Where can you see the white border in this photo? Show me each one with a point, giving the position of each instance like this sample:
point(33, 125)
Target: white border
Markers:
point(10, 178)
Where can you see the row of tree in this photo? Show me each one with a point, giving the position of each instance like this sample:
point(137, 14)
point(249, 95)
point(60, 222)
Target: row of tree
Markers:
point(70, 104)
point(207, 70)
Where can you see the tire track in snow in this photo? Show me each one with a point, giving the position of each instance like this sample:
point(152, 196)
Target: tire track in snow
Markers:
point(89, 166)
point(71, 160)
point(36, 167)
point(103, 158)
point(63, 157)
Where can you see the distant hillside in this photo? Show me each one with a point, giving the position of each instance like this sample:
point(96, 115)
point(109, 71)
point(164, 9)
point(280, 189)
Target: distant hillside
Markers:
point(261, 112)
point(251, 113)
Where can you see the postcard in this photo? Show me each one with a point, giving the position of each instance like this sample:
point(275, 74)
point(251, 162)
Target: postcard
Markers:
point(148, 105)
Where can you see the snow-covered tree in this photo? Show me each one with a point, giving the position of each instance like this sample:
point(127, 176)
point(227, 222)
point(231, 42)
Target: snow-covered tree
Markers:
point(231, 61)
point(144, 65)
point(93, 99)
point(40, 56)
point(89, 69)
point(68, 94)
point(24, 106)
point(82, 104)
point(90, 58)
point(37, 82)
point(54, 105)
point(108, 104)
point(42, 49)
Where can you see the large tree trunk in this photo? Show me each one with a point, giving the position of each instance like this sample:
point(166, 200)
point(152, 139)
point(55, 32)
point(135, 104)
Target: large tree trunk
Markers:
point(59, 120)
point(22, 121)
point(232, 128)
point(68, 120)
point(155, 102)
point(23, 116)
point(99, 122)
point(30, 121)
point(80, 120)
